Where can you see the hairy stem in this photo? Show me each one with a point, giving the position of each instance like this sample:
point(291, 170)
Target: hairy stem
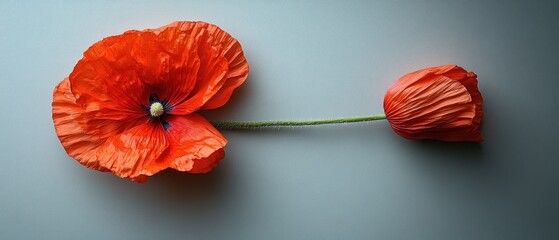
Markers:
point(288, 123)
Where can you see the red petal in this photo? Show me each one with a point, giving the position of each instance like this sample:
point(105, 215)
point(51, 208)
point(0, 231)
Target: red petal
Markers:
point(174, 56)
point(238, 67)
point(426, 74)
point(469, 80)
point(196, 146)
point(223, 66)
point(127, 154)
point(109, 73)
point(211, 77)
point(440, 103)
point(105, 84)
point(70, 130)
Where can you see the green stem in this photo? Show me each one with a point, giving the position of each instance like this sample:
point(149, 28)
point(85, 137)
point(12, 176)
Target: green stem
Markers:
point(264, 124)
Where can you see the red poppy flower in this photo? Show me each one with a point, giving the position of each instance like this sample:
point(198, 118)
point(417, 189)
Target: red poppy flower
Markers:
point(129, 106)
point(441, 103)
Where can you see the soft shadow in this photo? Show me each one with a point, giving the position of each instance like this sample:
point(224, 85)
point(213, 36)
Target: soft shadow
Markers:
point(448, 153)
point(168, 191)
point(447, 169)
point(181, 185)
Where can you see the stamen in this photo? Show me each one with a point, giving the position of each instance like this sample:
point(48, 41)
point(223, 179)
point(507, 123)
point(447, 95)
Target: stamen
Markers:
point(156, 109)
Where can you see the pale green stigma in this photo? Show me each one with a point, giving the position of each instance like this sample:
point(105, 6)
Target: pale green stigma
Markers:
point(156, 109)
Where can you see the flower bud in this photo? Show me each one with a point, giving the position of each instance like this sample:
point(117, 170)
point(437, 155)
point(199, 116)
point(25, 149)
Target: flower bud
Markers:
point(441, 103)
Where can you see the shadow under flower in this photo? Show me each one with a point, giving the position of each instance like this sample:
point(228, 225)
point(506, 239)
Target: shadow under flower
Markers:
point(451, 161)
point(168, 192)
point(466, 152)
point(183, 184)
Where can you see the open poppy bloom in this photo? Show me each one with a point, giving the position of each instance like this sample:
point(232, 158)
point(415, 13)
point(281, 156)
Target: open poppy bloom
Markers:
point(441, 103)
point(129, 106)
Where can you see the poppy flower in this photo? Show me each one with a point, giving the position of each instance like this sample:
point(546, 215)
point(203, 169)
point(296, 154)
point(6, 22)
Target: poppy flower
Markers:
point(130, 104)
point(441, 103)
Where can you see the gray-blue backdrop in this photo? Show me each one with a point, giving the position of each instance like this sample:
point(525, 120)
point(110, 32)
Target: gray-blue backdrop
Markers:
point(309, 59)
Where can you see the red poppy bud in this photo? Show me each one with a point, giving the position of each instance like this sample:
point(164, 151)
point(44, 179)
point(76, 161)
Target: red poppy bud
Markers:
point(441, 103)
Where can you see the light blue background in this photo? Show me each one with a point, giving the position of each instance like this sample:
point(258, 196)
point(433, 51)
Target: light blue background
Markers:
point(309, 59)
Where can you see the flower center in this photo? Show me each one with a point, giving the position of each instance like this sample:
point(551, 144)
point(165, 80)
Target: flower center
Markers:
point(156, 109)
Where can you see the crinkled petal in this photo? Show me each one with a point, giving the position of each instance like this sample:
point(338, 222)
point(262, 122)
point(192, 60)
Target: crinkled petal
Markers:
point(72, 130)
point(193, 65)
point(223, 66)
point(238, 68)
point(444, 103)
point(196, 146)
point(174, 61)
point(440, 103)
point(109, 73)
point(129, 153)
point(470, 82)
point(108, 88)
point(426, 75)
point(211, 77)
point(193, 145)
